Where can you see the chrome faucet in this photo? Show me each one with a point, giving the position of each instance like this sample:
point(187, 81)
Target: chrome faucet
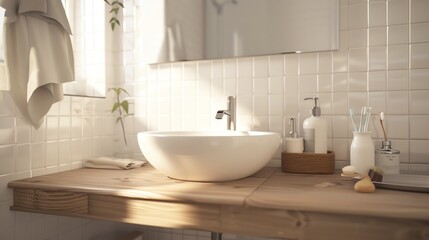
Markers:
point(231, 113)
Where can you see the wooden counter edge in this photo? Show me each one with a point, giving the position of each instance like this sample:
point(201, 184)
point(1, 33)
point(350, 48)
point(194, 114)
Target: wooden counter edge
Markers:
point(243, 220)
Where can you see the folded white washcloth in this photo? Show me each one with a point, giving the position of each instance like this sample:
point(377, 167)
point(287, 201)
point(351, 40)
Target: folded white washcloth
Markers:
point(113, 163)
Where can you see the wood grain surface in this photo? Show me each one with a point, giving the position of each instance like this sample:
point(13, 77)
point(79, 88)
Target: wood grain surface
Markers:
point(270, 203)
point(334, 194)
point(146, 183)
point(305, 162)
point(68, 202)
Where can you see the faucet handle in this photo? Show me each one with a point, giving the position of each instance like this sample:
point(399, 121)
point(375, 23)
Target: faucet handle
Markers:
point(219, 114)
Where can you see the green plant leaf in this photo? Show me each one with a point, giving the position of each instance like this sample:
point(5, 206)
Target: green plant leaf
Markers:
point(113, 23)
point(115, 6)
point(114, 10)
point(124, 105)
point(116, 90)
point(118, 119)
point(114, 20)
point(115, 107)
point(123, 90)
point(118, 3)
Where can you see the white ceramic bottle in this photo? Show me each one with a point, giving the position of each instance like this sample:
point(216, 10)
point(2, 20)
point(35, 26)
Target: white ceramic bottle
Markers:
point(315, 131)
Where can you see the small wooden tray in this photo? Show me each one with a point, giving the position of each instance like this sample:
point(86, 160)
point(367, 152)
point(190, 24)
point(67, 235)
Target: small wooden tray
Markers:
point(308, 162)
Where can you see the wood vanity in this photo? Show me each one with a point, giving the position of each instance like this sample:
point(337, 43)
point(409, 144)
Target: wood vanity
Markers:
point(268, 204)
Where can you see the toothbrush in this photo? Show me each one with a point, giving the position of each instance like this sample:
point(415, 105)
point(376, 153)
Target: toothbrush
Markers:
point(362, 112)
point(353, 121)
point(367, 118)
point(382, 126)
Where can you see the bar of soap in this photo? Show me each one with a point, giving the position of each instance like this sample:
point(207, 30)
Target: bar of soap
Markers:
point(350, 171)
point(365, 185)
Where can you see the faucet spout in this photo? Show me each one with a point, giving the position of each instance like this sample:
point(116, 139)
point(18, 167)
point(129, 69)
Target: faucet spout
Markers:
point(220, 113)
point(230, 112)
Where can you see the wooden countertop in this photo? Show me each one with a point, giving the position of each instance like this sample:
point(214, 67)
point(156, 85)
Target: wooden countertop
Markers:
point(269, 203)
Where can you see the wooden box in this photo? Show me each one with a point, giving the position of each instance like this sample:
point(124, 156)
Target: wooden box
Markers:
point(308, 162)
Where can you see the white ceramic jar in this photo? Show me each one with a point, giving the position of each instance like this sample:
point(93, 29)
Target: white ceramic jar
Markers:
point(362, 152)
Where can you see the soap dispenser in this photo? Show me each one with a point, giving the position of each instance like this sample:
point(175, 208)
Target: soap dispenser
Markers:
point(315, 131)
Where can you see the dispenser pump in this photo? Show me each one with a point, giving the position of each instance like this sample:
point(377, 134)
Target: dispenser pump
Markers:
point(293, 133)
point(315, 111)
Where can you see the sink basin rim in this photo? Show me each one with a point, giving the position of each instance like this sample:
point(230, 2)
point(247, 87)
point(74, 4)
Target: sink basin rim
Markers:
point(208, 156)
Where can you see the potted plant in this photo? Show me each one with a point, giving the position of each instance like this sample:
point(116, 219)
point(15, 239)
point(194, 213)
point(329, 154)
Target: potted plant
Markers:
point(122, 107)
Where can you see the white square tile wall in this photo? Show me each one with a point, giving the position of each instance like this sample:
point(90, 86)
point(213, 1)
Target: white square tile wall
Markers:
point(65, 139)
point(55, 146)
point(383, 61)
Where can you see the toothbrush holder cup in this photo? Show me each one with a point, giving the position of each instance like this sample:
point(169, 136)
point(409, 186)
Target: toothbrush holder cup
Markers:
point(362, 152)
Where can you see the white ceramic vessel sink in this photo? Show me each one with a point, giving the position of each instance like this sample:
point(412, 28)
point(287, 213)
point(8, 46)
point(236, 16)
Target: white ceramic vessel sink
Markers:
point(208, 156)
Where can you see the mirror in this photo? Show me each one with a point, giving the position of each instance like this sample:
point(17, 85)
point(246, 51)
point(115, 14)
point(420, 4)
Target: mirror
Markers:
point(176, 30)
point(4, 84)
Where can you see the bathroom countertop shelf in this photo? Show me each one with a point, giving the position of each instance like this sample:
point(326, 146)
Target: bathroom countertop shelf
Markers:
point(269, 203)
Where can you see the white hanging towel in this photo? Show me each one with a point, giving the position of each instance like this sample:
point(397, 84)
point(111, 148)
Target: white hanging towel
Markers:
point(38, 54)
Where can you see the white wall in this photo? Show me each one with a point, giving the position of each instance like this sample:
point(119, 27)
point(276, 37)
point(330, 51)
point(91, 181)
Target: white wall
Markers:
point(383, 62)
point(75, 129)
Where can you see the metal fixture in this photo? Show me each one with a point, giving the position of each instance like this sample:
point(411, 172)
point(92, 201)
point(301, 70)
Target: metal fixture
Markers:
point(216, 236)
point(219, 5)
point(293, 133)
point(231, 113)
